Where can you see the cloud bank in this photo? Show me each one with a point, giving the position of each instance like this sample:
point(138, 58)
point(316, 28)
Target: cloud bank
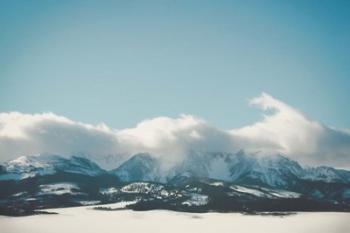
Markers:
point(283, 130)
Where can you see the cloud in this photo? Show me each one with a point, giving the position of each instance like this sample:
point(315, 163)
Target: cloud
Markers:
point(283, 130)
point(287, 131)
point(171, 138)
point(23, 134)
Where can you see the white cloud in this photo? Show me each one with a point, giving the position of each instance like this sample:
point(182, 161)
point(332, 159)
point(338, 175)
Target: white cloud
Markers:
point(282, 130)
point(285, 130)
point(26, 134)
point(173, 138)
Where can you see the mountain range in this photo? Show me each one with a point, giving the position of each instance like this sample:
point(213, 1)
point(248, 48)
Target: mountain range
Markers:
point(203, 181)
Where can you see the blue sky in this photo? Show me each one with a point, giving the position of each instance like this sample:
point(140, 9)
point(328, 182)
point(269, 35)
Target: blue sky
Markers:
point(124, 61)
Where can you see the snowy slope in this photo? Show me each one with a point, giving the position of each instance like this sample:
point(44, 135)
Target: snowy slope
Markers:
point(40, 165)
point(141, 167)
point(270, 170)
point(327, 174)
point(274, 171)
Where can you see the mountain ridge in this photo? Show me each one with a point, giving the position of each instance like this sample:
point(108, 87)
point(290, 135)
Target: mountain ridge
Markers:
point(204, 182)
point(274, 170)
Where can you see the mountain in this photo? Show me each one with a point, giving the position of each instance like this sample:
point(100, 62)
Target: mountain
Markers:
point(327, 174)
point(201, 182)
point(140, 167)
point(273, 171)
point(41, 165)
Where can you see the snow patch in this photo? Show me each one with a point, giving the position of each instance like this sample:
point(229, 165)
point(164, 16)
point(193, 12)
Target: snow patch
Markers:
point(118, 205)
point(251, 191)
point(284, 194)
point(141, 187)
point(58, 189)
point(89, 202)
point(196, 200)
point(109, 191)
point(265, 192)
point(19, 194)
point(217, 184)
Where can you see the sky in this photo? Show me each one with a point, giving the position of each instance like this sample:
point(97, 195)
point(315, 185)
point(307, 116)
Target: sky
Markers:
point(121, 62)
point(109, 79)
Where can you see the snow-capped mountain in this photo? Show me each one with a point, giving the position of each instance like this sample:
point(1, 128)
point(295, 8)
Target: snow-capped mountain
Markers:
point(273, 171)
point(327, 174)
point(276, 171)
point(201, 182)
point(140, 167)
point(40, 165)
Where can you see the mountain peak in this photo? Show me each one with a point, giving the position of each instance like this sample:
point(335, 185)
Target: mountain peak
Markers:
point(48, 164)
point(139, 167)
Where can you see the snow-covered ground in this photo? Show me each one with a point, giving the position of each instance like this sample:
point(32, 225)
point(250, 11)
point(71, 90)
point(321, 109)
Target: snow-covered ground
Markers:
point(87, 220)
point(251, 191)
point(59, 188)
point(116, 205)
point(264, 192)
point(196, 200)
